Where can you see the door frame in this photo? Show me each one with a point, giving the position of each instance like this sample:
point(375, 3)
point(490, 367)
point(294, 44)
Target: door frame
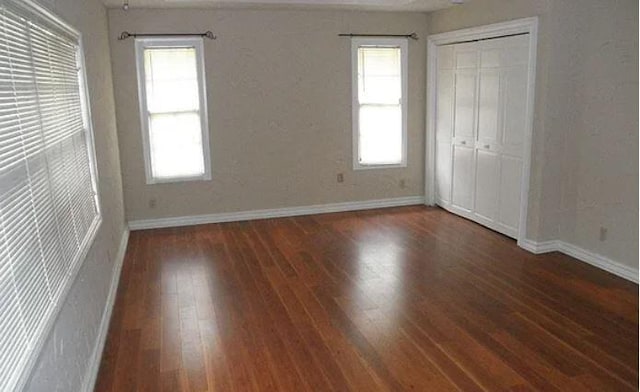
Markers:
point(516, 26)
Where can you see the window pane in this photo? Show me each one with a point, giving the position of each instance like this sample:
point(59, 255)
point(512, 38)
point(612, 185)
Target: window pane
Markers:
point(176, 145)
point(379, 75)
point(380, 136)
point(171, 80)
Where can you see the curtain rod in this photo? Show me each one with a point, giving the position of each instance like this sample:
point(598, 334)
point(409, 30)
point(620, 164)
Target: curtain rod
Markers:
point(125, 34)
point(412, 35)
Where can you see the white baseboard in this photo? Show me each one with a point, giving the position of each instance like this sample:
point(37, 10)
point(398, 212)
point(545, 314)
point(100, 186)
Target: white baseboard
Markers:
point(583, 255)
point(599, 261)
point(94, 362)
point(273, 213)
point(539, 247)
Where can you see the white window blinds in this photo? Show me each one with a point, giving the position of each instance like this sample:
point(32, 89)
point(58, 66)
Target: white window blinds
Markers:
point(48, 199)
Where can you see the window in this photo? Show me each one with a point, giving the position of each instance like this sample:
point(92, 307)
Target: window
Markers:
point(173, 109)
point(49, 210)
point(379, 68)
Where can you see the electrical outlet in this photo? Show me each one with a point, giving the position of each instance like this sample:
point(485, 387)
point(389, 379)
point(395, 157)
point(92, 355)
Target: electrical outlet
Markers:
point(603, 233)
point(153, 202)
point(340, 177)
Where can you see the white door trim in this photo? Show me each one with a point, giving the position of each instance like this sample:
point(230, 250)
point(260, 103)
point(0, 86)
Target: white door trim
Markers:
point(517, 26)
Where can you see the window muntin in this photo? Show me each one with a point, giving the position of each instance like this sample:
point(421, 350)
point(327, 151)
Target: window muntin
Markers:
point(380, 77)
point(173, 109)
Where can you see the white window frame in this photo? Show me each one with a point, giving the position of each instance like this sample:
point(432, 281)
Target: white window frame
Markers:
point(88, 120)
point(167, 42)
point(356, 43)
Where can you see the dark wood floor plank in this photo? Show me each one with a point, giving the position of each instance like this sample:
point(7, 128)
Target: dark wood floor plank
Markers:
point(355, 369)
point(408, 298)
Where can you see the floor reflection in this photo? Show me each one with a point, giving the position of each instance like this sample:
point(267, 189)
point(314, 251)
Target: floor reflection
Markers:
point(379, 295)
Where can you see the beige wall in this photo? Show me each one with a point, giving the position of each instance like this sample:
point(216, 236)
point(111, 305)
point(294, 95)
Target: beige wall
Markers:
point(601, 153)
point(279, 106)
point(279, 94)
point(585, 141)
point(64, 360)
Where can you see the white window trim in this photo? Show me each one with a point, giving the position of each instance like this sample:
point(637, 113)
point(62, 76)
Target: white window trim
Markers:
point(402, 43)
point(43, 333)
point(86, 106)
point(195, 42)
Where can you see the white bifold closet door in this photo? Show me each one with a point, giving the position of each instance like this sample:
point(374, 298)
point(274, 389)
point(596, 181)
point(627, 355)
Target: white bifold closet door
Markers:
point(480, 129)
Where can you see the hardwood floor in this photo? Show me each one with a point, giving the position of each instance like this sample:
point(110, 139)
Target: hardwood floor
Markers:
point(409, 298)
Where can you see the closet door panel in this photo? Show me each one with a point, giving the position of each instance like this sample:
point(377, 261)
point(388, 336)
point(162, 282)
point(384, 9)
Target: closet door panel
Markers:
point(463, 181)
point(464, 122)
point(444, 120)
point(444, 130)
point(466, 55)
point(489, 106)
point(490, 55)
point(465, 105)
point(443, 171)
point(515, 50)
point(446, 59)
point(515, 59)
point(510, 182)
point(515, 109)
point(487, 184)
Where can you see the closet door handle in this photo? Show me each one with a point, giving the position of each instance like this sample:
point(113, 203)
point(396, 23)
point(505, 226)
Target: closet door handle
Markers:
point(487, 146)
point(463, 143)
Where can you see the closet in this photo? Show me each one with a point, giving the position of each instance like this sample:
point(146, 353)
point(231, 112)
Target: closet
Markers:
point(481, 104)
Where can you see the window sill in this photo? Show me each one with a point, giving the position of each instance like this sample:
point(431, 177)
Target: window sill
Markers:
point(359, 166)
point(157, 181)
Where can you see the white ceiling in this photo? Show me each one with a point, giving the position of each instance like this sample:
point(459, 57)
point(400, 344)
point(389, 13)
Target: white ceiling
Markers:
point(380, 5)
